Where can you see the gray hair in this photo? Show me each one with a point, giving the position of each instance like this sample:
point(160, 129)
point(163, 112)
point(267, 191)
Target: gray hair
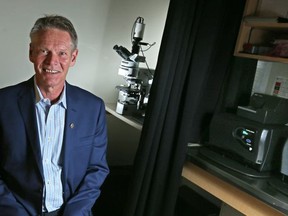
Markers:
point(58, 22)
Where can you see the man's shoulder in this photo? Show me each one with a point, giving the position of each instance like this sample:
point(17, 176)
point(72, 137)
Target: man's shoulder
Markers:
point(79, 93)
point(16, 88)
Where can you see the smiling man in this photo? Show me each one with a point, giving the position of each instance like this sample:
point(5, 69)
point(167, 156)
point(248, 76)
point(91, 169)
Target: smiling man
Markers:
point(53, 136)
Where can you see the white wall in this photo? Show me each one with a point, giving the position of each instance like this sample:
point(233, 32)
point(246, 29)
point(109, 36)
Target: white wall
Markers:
point(100, 25)
point(266, 75)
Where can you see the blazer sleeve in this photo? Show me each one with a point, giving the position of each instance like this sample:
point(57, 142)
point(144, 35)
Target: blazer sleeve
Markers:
point(8, 203)
point(83, 199)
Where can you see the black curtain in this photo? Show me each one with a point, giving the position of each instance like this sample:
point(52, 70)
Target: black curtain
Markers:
point(191, 80)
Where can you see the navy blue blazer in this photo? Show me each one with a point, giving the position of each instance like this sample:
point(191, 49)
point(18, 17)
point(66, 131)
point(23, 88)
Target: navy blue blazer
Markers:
point(84, 152)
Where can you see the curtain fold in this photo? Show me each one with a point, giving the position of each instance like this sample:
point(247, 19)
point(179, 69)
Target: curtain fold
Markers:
point(193, 69)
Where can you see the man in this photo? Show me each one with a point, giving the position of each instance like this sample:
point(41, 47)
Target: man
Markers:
point(52, 134)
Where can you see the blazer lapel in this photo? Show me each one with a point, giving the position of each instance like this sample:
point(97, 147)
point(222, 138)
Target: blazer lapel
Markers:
point(69, 131)
point(26, 103)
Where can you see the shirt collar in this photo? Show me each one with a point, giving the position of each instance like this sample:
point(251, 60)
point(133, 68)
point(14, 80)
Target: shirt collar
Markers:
point(39, 97)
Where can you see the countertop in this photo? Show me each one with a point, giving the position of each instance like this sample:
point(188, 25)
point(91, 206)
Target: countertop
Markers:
point(269, 189)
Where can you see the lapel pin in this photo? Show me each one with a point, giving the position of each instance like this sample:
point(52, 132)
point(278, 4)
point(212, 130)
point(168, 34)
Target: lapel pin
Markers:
point(72, 125)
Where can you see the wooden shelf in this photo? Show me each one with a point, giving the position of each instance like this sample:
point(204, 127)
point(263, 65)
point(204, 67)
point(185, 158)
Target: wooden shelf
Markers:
point(267, 25)
point(229, 194)
point(262, 57)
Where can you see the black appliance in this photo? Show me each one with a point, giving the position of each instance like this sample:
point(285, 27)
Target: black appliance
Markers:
point(254, 136)
point(256, 145)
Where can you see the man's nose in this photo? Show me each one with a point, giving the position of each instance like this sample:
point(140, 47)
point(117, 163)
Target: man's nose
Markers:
point(51, 59)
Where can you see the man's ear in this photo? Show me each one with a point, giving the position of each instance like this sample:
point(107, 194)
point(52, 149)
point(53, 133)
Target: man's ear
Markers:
point(74, 57)
point(30, 53)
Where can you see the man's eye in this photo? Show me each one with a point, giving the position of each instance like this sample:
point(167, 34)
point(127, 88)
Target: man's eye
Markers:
point(63, 53)
point(45, 52)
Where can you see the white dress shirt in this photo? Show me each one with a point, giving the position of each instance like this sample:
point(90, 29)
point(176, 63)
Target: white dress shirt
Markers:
point(50, 122)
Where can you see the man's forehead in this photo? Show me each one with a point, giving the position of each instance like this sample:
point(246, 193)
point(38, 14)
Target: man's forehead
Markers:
point(52, 36)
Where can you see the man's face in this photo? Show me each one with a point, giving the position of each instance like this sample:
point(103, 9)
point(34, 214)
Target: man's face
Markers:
point(52, 54)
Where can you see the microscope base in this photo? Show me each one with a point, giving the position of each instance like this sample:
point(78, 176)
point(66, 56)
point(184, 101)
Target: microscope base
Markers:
point(126, 109)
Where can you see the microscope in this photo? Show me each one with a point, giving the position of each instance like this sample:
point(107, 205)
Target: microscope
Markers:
point(133, 97)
